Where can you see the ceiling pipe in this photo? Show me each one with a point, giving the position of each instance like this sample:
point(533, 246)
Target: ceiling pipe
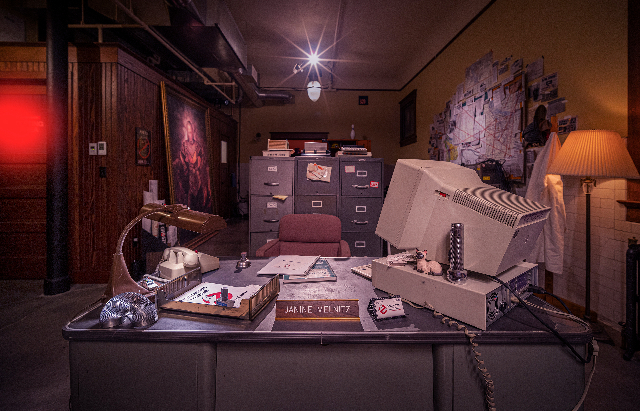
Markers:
point(249, 88)
point(283, 96)
point(258, 96)
point(337, 34)
point(252, 92)
point(207, 80)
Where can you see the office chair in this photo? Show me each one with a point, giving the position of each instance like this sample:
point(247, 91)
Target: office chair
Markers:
point(307, 234)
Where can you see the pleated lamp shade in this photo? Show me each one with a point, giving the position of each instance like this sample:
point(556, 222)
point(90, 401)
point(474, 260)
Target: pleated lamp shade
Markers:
point(594, 153)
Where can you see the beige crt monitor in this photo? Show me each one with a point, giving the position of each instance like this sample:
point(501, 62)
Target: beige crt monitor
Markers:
point(425, 197)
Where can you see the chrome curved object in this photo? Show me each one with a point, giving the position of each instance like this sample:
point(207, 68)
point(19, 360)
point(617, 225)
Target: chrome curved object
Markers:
point(243, 262)
point(128, 310)
point(456, 273)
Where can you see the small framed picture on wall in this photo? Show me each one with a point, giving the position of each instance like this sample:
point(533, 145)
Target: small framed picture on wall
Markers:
point(143, 147)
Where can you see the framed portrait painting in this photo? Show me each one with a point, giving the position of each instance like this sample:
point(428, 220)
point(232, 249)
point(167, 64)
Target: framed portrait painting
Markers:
point(187, 137)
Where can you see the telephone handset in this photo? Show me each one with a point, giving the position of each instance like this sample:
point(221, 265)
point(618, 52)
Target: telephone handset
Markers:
point(178, 260)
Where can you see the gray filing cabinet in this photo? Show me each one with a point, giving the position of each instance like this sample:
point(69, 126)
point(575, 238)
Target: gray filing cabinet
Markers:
point(315, 196)
point(354, 193)
point(361, 189)
point(268, 177)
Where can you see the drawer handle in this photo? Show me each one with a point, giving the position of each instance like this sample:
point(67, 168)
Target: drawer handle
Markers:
point(272, 184)
point(360, 222)
point(357, 186)
point(270, 221)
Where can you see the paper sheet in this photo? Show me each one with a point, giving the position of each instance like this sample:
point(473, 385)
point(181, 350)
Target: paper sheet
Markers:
point(210, 294)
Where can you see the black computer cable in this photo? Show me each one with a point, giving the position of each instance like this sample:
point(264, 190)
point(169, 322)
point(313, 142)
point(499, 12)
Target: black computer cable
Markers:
point(553, 331)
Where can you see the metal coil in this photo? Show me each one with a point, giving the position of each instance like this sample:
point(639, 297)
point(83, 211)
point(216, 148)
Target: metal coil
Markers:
point(128, 310)
point(456, 273)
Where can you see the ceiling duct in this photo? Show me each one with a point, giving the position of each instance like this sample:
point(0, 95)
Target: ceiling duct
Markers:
point(278, 96)
point(204, 32)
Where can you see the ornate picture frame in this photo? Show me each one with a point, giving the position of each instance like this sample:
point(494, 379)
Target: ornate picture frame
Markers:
point(188, 146)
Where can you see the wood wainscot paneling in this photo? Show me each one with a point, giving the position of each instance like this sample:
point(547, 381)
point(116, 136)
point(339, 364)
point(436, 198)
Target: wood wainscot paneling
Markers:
point(111, 93)
point(22, 162)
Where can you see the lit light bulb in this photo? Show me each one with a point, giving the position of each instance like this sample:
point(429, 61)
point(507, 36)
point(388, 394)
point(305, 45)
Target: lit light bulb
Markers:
point(313, 59)
point(313, 89)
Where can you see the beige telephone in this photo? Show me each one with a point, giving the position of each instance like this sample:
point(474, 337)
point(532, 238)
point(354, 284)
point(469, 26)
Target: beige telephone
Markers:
point(178, 260)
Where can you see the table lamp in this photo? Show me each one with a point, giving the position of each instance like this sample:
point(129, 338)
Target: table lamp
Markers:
point(589, 154)
point(177, 215)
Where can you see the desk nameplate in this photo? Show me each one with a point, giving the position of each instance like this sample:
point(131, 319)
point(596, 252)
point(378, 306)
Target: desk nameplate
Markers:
point(317, 310)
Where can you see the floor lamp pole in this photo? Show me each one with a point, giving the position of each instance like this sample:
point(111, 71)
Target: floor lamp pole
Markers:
point(588, 182)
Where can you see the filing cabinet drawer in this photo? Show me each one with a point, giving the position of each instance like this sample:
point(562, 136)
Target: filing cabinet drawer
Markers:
point(363, 244)
point(305, 186)
point(361, 177)
point(257, 240)
point(266, 212)
point(271, 176)
point(360, 214)
point(316, 205)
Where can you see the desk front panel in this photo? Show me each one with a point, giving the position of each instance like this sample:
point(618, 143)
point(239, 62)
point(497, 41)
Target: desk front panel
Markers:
point(413, 362)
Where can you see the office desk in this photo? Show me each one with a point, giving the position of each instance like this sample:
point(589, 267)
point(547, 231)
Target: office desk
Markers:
point(414, 362)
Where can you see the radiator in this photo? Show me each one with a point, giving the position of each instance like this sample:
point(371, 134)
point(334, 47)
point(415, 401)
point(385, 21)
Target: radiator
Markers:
point(630, 333)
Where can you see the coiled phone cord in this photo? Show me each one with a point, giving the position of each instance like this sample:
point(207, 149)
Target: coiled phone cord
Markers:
point(489, 395)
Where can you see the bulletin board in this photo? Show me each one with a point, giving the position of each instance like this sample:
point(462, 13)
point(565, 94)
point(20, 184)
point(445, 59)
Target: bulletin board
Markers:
point(486, 116)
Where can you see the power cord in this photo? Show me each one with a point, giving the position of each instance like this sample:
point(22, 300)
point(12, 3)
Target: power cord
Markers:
point(594, 345)
point(596, 349)
point(553, 331)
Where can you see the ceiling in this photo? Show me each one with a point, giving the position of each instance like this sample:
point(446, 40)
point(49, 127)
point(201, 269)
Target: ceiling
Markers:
point(362, 44)
point(366, 44)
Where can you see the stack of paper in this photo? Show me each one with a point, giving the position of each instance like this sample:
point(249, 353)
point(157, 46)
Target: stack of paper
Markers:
point(289, 265)
point(321, 271)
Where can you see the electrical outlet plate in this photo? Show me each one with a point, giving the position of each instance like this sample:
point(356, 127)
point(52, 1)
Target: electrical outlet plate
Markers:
point(102, 148)
point(93, 149)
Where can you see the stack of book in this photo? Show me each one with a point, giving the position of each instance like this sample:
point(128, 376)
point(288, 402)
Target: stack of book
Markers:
point(353, 151)
point(277, 148)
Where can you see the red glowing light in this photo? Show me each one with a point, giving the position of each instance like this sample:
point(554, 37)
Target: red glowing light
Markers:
point(21, 127)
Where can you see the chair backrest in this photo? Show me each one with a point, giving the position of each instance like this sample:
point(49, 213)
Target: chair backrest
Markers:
point(310, 234)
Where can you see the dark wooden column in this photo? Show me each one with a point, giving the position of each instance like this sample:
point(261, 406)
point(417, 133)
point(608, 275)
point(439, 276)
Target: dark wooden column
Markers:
point(58, 279)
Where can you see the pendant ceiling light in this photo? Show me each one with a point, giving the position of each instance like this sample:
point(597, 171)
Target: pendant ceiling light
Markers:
point(313, 88)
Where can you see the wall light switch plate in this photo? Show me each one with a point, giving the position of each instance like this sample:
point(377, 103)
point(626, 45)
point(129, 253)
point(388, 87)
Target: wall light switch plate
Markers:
point(102, 148)
point(93, 149)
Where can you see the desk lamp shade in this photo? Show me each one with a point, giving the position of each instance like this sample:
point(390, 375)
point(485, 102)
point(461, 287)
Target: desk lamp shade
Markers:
point(594, 153)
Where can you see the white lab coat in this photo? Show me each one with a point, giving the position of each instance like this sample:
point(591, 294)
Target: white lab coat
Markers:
point(547, 189)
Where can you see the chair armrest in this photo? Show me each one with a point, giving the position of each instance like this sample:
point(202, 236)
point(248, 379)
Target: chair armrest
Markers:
point(270, 249)
point(344, 249)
